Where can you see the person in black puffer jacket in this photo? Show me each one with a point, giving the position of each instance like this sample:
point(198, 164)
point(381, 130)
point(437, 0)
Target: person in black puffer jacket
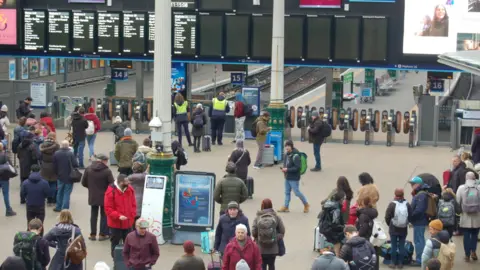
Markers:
point(48, 149)
point(28, 155)
point(79, 125)
point(366, 214)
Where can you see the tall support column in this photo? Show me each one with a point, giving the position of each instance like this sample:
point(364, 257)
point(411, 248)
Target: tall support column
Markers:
point(139, 87)
point(328, 87)
point(161, 163)
point(277, 106)
point(337, 90)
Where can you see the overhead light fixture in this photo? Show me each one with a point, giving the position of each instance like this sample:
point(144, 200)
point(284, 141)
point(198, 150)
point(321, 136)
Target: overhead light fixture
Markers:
point(256, 2)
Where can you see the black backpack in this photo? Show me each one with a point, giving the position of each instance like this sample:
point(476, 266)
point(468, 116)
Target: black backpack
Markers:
point(198, 121)
point(25, 247)
point(254, 128)
point(363, 257)
point(247, 109)
point(326, 130)
point(327, 224)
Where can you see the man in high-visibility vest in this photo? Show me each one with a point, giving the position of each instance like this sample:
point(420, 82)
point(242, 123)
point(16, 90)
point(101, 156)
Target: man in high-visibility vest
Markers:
point(218, 112)
point(180, 113)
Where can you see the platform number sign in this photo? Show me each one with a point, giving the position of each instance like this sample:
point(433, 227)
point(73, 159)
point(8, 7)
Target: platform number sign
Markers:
point(437, 86)
point(237, 78)
point(119, 74)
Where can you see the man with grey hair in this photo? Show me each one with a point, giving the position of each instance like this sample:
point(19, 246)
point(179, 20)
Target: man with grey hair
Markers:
point(457, 175)
point(230, 188)
point(140, 250)
point(64, 161)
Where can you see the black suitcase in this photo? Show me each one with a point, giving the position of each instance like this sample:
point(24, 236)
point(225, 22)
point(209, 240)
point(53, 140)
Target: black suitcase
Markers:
point(250, 186)
point(207, 143)
point(118, 263)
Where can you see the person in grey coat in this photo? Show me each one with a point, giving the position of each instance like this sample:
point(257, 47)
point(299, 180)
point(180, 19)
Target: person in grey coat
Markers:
point(241, 157)
point(199, 120)
point(328, 261)
point(469, 220)
point(63, 162)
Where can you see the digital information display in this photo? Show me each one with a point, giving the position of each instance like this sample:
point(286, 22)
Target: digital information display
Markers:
point(134, 33)
point(211, 35)
point(347, 38)
point(237, 35)
point(320, 3)
point(294, 37)
point(183, 4)
point(184, 34)
point(83, 32)
point(216, 5)
point(262, 36)
point(375, 37)
point(59, 31)
point(34, 23)
point(151, 32)
point(108, 32)
point(319, 30)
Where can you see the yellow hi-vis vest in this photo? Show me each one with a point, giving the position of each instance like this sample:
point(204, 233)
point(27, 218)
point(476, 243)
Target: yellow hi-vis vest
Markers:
point(219, 107)
point(181, 109)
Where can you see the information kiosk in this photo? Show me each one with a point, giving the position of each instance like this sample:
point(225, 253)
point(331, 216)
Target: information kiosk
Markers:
point(152, 204)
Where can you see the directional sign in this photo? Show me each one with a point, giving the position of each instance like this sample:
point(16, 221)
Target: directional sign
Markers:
point(237, 78)
point(437, 87)
point(348, 78)
point(119, 74)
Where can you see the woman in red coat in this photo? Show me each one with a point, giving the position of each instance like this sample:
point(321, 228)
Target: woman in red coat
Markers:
point(241, 251)
point(47, 119)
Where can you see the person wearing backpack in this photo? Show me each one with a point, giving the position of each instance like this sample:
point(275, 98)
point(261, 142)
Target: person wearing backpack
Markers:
point(330, 220)
point(241, 157)
point(141, 155)
point(199, 120)
point(316, 137)
point(468, 197)
point(31, 247)
point(327, 260)
point(432, 245)
point(259, 130)
point(94, 126)
point(397, 218)
point(240, 113)
point(342, 185)
point(357, 252)
point(291, 169)
point(179, 152)
point(448, 209)
point(180, 113)
point(18, 132)
point(267, 230)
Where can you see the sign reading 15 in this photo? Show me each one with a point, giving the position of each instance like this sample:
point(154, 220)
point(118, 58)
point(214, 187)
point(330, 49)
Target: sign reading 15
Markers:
point(237, 78)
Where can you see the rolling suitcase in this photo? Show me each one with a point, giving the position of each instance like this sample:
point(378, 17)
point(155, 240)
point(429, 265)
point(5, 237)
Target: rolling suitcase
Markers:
point(207, 143)
point(213, 265)
point(318, 240)
point(250, 186)
point(268, 157)
point(118, 263)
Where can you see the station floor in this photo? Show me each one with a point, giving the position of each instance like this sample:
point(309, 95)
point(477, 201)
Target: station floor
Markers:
point(390, 167)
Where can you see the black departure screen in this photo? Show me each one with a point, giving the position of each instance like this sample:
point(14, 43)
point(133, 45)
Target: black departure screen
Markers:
point(211, 33)
point(216, 5)
point(151, 32)
point(347, 38)
point(294, 37)
point(134, 33)
point(59, 31)
point(35, 26)
point(262, 37)
point(184, 34)
point(83, 32)
point(237, 36)
point(183, 4)
point(375, 35)
point(108, 32)
point(319, 30)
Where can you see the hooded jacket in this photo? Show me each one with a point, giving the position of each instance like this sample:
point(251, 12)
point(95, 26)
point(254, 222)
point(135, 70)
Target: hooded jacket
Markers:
point(96, 122)
point(49, 122)
point(241, 158)
point(432, 246)
point(118, 129)
point(125, 149)
point(315, 131)
point(365, 221)
point(419, 206)
point(120, 203)
point(35, 190)
point(250, 253)
point(63, 162)
point(390, 214)
point(96, 178)
point(280, 231)
point(230, 189)
point(79, 124)
point(328, 261)
point(293, 164)
point(468, 220)
point(346, 253)
point(28, 155)
point(178, 151)
point(262, 128)
point(137, 181)
point(183, 117)
point(225, 229)
point(48, 149)
point(59, 237)
point(198, 131)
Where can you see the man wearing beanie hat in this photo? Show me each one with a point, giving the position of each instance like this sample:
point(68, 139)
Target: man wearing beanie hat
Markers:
point(125, 149)
point(230, 189)
point(225, 229)
point(79, 134)
point(315, 136)
point(432, 245)
point(189, 261)
point(419, 218)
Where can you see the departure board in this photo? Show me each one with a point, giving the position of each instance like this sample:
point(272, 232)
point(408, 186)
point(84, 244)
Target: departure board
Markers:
point(108, 25)
point(211, 35)
point(319, 30)
point(183, 4)
point(59, 31)
point(294, 37)
point(347, 38)
point(237, 35)
point(83, 32)
point(375, 37)
point(35, 26)
point(184, 34)
point(151, 32)
point(208, 5)
point(262, 37)
point(134, 33)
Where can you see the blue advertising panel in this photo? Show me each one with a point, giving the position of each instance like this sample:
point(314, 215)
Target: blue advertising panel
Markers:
point(252, 97)
point(194, 204)
point(179, 78)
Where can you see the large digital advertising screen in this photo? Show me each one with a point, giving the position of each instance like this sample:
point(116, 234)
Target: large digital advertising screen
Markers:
point(436, 27)
point(8, 22)
point(320, 3)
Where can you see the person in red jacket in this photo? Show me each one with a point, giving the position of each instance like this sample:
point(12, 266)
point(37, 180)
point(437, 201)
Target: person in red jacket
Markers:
point(239, 115)
point(121, 209)
point(241, 251)
point(91, 137)
point(47, 119)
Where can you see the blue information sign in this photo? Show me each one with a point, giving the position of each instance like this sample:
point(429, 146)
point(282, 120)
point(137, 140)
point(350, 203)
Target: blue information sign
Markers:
point(252, 97)
point(437, 86)
point(237, 78)
point(119, 74)
point(194, 204)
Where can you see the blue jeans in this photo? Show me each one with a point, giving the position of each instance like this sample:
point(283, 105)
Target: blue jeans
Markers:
point(398, 249)
point(91, 144)
point(470, 237)
point(5, 186)
point(78, 148)
point(63, 195)
point(419, 241)
point(53, 190)
point(316, 153)
point(295, 185)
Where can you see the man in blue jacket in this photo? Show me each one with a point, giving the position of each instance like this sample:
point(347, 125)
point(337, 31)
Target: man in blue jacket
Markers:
point(225, 230)
point(419, 218)
point(35, 190)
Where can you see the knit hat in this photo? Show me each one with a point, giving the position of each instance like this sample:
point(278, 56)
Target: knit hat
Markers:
point(241, 227)
point(315, 114)
point(232, 204)
point(239, 144)
point(416, 180)
point(436, 224)
point(127, 132)
point(188, 247)
point(4, 108)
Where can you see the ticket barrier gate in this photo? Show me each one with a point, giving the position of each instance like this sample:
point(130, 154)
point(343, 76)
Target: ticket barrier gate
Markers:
point(105, 110)
point(412, 131)
point(98, 108)
point(369, 124)
point(303, 127)
point(391, 123)
point(348, 130)
point(56, 108)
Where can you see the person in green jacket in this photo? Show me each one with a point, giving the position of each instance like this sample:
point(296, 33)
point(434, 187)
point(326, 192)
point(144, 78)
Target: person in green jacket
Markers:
point(262, 130)
point(125, 149)
point(230, 188)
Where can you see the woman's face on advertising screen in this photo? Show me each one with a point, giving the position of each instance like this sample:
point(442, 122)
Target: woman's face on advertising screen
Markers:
point(440, 12)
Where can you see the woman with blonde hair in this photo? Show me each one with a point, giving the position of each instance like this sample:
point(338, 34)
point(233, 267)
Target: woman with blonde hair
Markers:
point(59, 237)
point(466, 157)
point(180, 113)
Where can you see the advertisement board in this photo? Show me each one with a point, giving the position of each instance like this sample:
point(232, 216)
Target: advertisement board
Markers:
point(194, 204)
point(437, 27)
point(8, 26)
point(179, 75)
point(252, 97)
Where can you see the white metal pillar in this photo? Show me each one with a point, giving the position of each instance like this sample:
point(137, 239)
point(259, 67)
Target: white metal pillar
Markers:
point(278, 55)
point(163, 70)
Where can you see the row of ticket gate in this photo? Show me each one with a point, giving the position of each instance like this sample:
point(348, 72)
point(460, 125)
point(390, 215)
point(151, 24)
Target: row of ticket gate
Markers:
point(368, 121)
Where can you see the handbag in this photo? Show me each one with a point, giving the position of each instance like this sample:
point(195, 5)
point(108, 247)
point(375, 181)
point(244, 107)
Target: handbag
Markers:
point(75, 174)
point(76, 251)
point(281, 247)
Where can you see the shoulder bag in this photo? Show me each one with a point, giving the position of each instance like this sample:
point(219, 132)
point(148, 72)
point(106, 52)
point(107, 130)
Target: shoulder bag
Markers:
point(75, 174)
